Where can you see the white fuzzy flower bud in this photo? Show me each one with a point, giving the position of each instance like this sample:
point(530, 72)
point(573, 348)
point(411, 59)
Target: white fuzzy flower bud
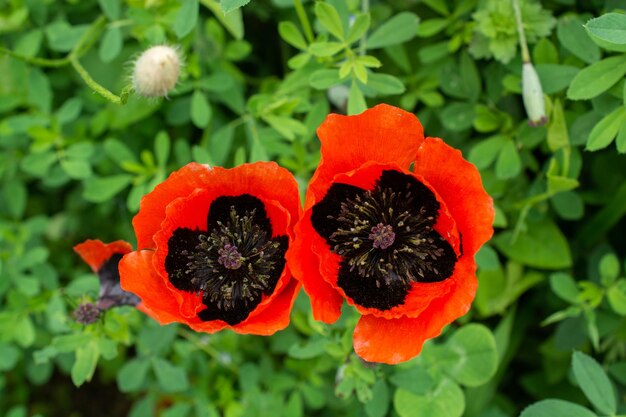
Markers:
point(533, 96)
point(156, 71)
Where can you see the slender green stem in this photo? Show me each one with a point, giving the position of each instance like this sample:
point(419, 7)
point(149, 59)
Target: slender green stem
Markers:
point(40, 62)
point(91, 83)
point(520, 222)
point(520, 31)
point(304, 20)
point(365, 8)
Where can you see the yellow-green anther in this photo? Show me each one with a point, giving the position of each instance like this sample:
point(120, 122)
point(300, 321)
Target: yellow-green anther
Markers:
point(532, 94)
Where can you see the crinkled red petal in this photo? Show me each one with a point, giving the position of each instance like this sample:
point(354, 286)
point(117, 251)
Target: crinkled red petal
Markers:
point(384, 134)
point(152, 207)
point(459, 185)
point(95, 252)
point(138, 276)
point(391, 341)
point(325, 300)
point(269, 320)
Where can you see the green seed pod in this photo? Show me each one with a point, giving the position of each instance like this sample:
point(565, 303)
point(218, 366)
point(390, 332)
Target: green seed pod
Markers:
point(533, 96)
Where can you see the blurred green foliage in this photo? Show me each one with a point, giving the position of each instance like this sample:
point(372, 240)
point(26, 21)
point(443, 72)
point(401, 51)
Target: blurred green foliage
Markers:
point(257, 81)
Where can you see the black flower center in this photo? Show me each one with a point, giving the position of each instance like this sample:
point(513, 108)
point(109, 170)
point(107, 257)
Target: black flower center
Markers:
point(233, 264)
point(385, 237)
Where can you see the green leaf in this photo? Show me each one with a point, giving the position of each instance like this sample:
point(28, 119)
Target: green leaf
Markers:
point(541, 245)
point(99, 190)
point(111, 8)
point(597, 78)
point(608, 31)
point(162, 146)
point(554, 408)
point(171, 378)
point(385, 84)
point(620, 141)
point(76, 168)
point(378, 405)
point(294, 406)
point(69, 111)
point(485, 152)
point(573, 37)
point(545, 53)
point(201, 111)
point(478, 356)
point(359, 27)
point(440, 6)
point(118, 151)
point(605, 131)
point(232, 21)
point(325, 49)
point(509, 164)
point(291, 34)
point(555, 78)
point(14, 194)
point(557, 129)
point(568, 204)
point(616, 295)
point(470, 77)
point(230, 5)
point(186, 18)
point(447, 400)
point(356, 100)
point(85, 363)
point(62, 37)
point(431, 27)
point(324, 78)
point(132, 375)
point(565, 287)
point(286, 126)
point(24, 329)
point(416, 380)
point(399, 29)
point(111, 44)
point(329, 18)
point(595, 383)
point(458, 116)
point(308, 349)
point(9, 355)
point(487, 119)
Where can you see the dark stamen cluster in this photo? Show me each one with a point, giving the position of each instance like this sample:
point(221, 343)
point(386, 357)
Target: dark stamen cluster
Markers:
point(232, 264)
point(382, 235)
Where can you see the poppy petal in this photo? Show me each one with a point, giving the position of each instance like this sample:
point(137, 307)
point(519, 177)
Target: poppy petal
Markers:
point(384, 134)
point(275, 316)
point(138, 276)
point(95, 252)
point(458, 183)
point(152, 207)
point(325, 300)
point(377, 339)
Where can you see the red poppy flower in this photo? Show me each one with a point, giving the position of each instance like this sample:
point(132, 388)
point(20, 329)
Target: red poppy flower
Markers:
point(104, 258)
point(212, 248)
point(396, 243)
